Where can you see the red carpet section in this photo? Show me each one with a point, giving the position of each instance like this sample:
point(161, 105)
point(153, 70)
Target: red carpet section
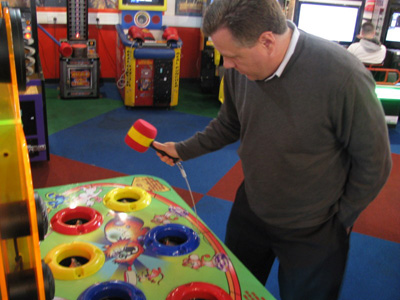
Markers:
point(227, 186)
point(381, 218)
point(60, 171)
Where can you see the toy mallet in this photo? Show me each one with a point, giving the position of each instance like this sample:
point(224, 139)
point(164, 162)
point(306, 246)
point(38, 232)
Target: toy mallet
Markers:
point(141, 136)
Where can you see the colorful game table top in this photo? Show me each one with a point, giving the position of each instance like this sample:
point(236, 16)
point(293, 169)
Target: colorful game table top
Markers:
point(135, 238)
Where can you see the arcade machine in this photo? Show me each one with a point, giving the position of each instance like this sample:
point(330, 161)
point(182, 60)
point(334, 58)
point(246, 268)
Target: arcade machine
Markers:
point(386, 16)
point(79, 73)
point(148, 57)
point(33, 100)
point(211, 71)
point(211, 60)
point(390, 37)
point(23, 215)
point(390, 34)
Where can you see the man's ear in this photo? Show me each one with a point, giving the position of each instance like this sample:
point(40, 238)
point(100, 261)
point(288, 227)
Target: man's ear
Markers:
point(268, 40)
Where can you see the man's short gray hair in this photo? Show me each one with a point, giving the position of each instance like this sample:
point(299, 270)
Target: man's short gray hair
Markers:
point(245, 19)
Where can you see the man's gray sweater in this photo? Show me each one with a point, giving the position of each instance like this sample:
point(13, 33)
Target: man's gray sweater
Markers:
point(313, 142)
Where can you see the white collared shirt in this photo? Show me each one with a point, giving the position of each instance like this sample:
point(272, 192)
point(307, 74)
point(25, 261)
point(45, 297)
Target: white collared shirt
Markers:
point(289, 52)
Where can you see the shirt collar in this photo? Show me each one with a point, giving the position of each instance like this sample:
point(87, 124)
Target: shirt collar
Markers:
point(289, 52)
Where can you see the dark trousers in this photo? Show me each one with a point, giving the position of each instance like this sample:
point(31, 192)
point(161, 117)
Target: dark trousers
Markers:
point(312, 260)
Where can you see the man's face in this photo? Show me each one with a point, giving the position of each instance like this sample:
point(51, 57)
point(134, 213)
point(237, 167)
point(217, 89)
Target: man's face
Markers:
point(249, 61)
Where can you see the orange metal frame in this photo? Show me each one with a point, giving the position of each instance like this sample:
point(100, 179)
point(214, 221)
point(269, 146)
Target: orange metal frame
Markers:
point(387, 71)
point(16, 180)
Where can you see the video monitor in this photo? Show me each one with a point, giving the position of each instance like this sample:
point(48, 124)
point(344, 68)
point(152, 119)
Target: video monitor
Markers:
point(391, 28)
point(337, 21)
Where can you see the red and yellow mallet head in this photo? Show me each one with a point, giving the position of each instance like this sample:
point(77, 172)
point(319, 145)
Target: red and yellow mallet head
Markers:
point(141, 135)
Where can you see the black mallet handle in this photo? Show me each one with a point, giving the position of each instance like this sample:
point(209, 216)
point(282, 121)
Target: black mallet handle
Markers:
point(175, 159)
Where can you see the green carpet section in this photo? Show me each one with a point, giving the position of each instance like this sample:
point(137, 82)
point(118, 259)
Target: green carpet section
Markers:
point(64, 113)
point(192, 101)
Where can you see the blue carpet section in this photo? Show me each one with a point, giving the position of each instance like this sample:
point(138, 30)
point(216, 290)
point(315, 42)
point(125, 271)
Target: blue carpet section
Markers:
point(100, 142)
point(373, 271)
point(272, 284)
point(214, 212)
point(394, 135)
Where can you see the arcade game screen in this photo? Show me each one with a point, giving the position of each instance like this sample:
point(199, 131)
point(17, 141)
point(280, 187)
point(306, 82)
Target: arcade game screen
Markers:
point(321, 19)
point(144, 2)
point(393, 32)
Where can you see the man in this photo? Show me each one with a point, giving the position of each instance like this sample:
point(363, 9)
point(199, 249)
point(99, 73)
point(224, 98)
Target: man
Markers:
point(314, 145)
point(369, 50)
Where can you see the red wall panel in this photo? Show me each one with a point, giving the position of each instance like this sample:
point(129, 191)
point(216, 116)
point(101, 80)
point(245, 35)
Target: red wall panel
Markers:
point(48, 49)
point(106, 38)
point(191, 55)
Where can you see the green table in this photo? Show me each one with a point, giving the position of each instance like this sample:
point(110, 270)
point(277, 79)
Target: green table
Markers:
point(390, 99)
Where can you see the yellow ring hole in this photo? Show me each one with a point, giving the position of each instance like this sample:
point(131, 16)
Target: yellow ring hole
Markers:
point(114, 199)
point(94, 256)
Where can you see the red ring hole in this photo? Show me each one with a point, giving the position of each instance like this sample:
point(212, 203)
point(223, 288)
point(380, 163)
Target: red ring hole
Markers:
point(198, 290)
point(75, 221)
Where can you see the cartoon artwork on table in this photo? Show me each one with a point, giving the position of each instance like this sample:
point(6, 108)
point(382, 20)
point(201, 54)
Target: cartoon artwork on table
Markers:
point(219, 260)
point(88, 196)
point(149, 184)
point(55, 199)
point(83, 196)
point(125, 248)
point(153, 276)
point(172, 214)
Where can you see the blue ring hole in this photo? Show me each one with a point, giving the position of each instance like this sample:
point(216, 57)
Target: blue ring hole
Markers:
point(171, 240)
point(112, 290)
